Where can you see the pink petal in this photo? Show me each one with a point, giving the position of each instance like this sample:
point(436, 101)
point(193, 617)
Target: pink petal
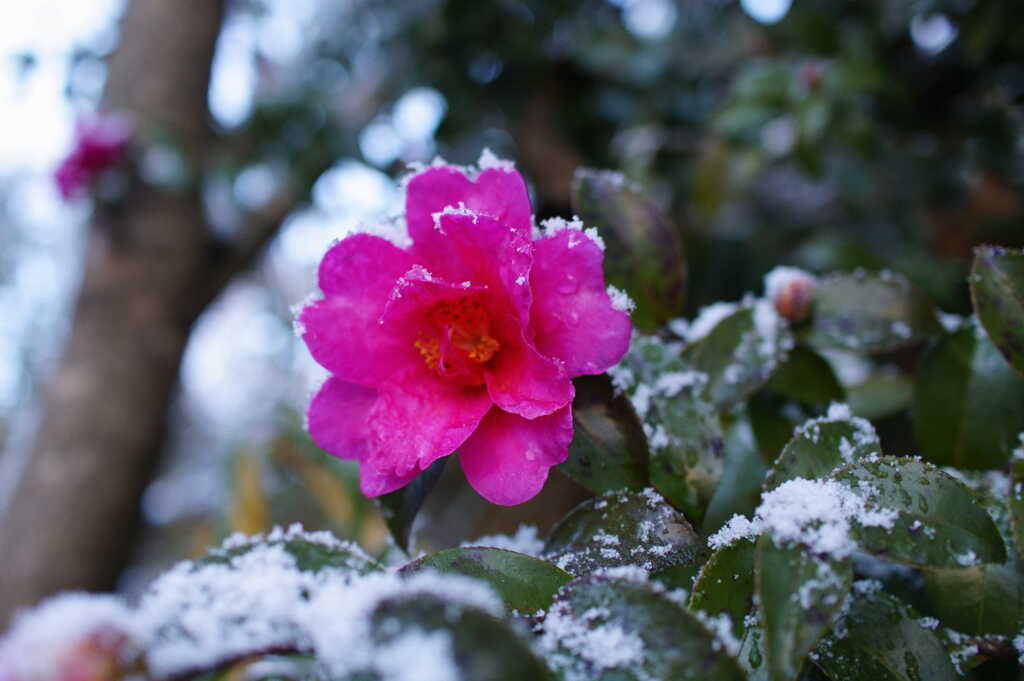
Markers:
point(343, 330)
point(522, 381)
point(337, 418)
point(417, 419)
point(492, 254)
point(498, 192)
point(572, 315)
point(364, 266)
point(508, 457)
point(374, 482)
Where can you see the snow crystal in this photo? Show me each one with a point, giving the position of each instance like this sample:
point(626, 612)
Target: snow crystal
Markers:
point(641, 399)
point(633, 573)
point(392, 228)
point(721, 627)
point(781, 278)
point(417, 655)
point(671, 383)
point(967, 558)
point(597, 644)
point(40, 640)
point(525, 540)
point(817, 513)
point(622, 377)
point(620, 299)
point(928, 622)
point(1018, 453)
point(488, 160)
point(707, 319)
point(339, 616)
point(297, 326)
point(1018, 645)
point(555, 225)
point(950, 322)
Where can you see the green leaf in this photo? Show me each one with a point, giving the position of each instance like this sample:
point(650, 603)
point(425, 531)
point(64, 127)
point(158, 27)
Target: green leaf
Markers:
point(883, 394)
point(968, 403)
point(310, 553)
point(644, 250)
point(799, 596)
point(609, 448)
point(939, 522)
point(483, 648)
point(823, 444)
point(739, 492)
point(657, 638)
point(726, 584)
point(806, 377)
point(983, 599)
point(997, 290)
point(882, 641)
point(622, 528)
point(741, 352)
point(870, 313)
point(685, 434)
point(525, 583)
point(773, 419)
point(400, 507)
point(1015, 503)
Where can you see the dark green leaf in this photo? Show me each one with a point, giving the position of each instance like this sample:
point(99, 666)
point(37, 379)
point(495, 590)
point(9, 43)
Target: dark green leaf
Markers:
point(939, 522)
point(997, 290)
point(670, 642)
point(685, 435)
point(609, 448)
point(1015, 503)
point(773, 418)
point(968, 403)
point(983, 599)
point(483, 648)
point(726, 584)
point(622, 529)
point(741, 352)
point(821, 445)
point(310, 555)
point(799, 596)
point(400, 507)
point(882, 641)
point(806, 377)
point(883, 394)
point(870, 313)
point(525, 583)
point(739, 492)
point(644, 251)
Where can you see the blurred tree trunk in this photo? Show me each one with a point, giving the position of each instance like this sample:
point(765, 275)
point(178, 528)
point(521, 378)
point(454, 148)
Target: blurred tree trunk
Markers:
point(150, 270)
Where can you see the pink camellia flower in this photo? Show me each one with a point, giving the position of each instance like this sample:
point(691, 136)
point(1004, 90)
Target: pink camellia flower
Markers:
point(100, 142)
point(465, 339)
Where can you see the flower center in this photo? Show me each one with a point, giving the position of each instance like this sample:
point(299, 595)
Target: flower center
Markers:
point(461, 341)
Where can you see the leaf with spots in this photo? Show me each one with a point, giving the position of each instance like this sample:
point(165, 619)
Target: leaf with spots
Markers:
point(997, 291)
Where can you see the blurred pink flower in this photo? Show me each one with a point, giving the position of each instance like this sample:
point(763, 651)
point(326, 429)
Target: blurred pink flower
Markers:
point(100, 142)
point(466, 339)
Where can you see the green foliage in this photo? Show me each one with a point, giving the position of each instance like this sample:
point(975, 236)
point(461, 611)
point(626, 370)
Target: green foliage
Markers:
point(525, 583)
point(870, 313)
point(609, 448)
point(997, 289)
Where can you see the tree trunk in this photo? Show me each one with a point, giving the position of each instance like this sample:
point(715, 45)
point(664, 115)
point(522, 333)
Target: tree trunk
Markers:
point(75, 514)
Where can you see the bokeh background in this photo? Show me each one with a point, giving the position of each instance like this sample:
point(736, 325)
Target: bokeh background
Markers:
point(827, 134)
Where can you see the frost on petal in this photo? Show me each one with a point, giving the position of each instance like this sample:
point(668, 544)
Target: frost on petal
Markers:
point(418, 418)
point(573, 317)
point(523, 381)
point(337, 418)
point(508, 457)
point(497, 192)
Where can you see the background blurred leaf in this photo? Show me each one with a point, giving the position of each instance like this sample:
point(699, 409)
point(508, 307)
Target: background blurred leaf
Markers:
point(968, 402)
point(726, 584)
point(806, 377)
point(644, 252)
point(997, 289)
point(870, 313)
